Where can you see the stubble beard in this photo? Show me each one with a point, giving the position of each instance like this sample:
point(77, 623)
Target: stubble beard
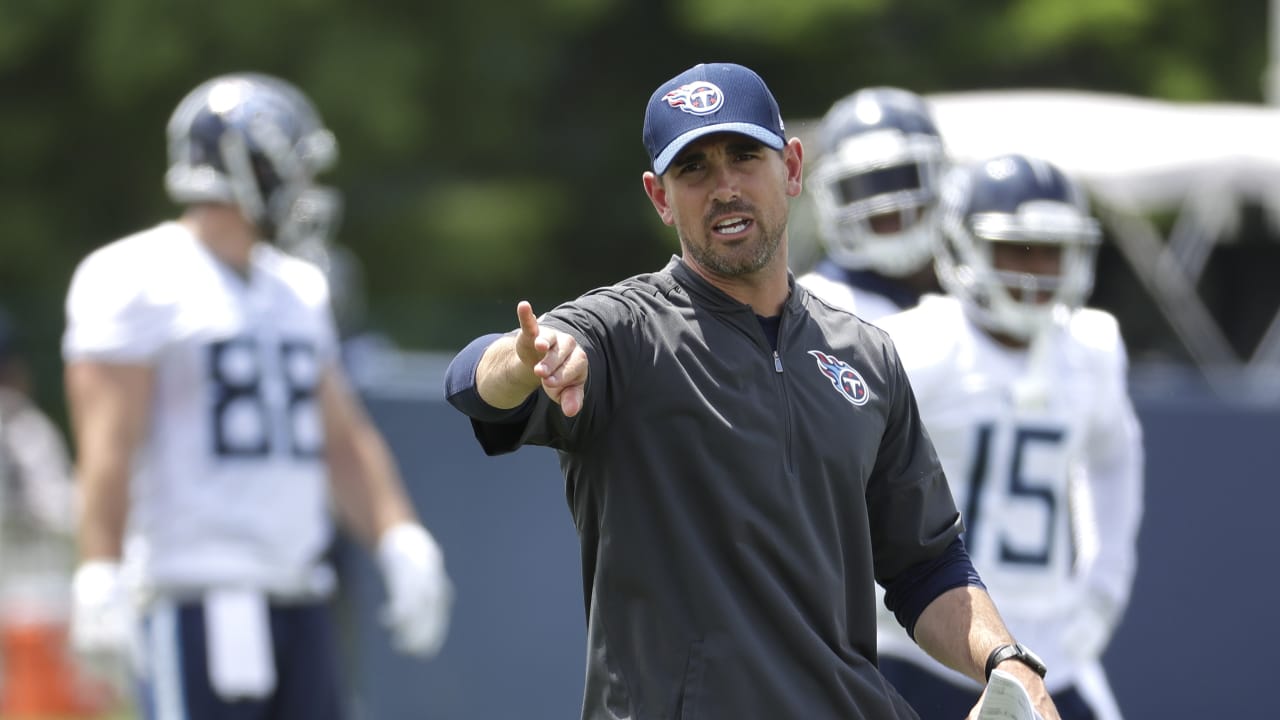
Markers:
point(748, 258)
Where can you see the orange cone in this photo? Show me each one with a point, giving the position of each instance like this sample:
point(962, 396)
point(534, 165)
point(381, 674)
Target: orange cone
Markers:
point(41, 680)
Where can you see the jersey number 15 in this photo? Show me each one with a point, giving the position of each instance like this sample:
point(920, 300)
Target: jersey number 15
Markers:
point(1018, 487)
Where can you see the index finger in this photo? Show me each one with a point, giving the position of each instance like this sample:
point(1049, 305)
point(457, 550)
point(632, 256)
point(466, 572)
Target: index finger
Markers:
point(528, 321)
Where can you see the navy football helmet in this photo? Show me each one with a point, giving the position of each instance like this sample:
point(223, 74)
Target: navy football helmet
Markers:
point(257, 142)
point(1022, 201)
point(877, 181)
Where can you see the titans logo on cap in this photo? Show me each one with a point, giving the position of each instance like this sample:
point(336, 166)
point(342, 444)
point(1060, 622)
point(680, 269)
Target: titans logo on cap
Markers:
point(696, 98)
point(843, 377)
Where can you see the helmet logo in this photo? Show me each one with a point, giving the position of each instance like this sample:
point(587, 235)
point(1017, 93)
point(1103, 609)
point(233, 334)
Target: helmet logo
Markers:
point(227, 95)
point(868, 111)
point(1001, 168)
point(843, 377)
point(696, 98)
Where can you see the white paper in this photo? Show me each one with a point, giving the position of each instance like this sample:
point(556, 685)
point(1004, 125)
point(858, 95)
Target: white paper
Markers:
point(1006, 699)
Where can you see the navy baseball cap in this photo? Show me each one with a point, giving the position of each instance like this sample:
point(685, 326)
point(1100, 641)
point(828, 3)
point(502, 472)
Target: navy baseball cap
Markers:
point(709, 98)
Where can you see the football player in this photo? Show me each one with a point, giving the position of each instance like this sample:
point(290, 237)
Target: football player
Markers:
point(876, 197)
point(37, 496)
point(1023, 391)
point(215, 428)
point(37, 521)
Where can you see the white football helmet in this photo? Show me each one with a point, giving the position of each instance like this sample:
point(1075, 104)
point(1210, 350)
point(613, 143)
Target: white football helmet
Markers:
point(1018, 200)
point(257, 142)
point(881, 155)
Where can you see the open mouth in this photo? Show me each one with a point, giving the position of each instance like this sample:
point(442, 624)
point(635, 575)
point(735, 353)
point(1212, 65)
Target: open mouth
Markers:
point(733, 225)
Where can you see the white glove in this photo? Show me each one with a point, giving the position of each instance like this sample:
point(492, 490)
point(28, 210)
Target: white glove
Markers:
point(419, 593)
point(102, 619)
point(1086, 634)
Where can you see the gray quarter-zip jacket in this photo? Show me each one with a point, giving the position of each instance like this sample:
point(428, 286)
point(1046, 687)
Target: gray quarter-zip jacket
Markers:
point(735, 504)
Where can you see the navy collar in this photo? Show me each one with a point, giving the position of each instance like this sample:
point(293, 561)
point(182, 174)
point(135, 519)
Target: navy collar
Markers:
point(897, 292)
point(717, 299)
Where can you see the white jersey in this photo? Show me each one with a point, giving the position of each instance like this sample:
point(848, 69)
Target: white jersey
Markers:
point(869, 306)
point(37, 496)
point(1044, 458)
point(230, 484)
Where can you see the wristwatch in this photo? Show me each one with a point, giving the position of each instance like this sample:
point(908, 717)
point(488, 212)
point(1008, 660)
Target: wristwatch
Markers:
point(1015, 651)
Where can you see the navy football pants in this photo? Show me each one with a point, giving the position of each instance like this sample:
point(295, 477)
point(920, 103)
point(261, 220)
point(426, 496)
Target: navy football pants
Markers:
point(174, 679)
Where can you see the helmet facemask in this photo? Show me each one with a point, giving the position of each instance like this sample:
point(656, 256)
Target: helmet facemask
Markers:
point(879, 173)
point(1014, 301)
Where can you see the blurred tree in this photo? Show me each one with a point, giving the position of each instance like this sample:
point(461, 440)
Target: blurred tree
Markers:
point(491, 150)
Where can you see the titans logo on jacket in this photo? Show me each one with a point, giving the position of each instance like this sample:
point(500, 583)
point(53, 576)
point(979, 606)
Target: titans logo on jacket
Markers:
point(843, 377)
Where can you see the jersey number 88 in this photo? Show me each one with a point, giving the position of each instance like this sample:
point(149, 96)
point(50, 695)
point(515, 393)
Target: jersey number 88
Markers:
point(263, 398)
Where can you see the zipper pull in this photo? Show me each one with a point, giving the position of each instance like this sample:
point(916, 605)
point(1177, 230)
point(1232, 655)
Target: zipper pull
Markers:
point(777, 362)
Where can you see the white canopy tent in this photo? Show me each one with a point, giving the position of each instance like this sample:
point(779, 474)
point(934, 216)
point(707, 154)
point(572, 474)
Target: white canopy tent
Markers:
point(1140, 153)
